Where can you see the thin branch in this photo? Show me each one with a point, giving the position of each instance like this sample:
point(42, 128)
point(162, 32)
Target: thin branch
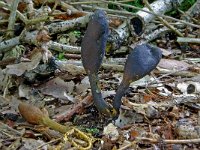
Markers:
point(170, 141)
point(155, 141)
point(120, 12)
point(188, 40)
point(19, 14)
point(12, 18)
point(64, 48)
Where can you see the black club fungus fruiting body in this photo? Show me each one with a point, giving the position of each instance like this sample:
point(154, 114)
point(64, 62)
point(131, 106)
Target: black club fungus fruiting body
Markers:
point(92, 52)
point(140, 62)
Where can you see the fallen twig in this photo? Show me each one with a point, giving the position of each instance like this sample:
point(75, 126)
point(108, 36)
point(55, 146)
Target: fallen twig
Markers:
point(12, 18)
point(4, 127)
point(188, 40)
point(30, 37)
point(168, 104)
point(111, 11)
point(169, 141)
point(155, 141)
point(64, 48)
point(19, 14)
point(75, 109)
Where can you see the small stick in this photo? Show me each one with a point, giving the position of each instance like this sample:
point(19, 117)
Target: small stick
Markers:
point(7, 128)
point(64, 48)
point(72, 56)
point(170, 141)
point(64, 6)
point(120, 12)
point(52, 141)
point(19, 14)
point(154, 141)
point(30, 8)
point(12, 18)
point(96, 2)
point(77, 108)
point(188, 40)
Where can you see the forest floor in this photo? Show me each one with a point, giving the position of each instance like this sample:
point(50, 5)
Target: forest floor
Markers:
point(46, 100)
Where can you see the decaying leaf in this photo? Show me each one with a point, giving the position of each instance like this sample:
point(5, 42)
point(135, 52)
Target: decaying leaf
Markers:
point(72, 69)
point(33, 143)
point(173, 65)
point(19, 69)
point(58, 89)
point(43, 36)
point(111, 132)
point(128, 117)
point(186, 130)
point(24, 91)
point(83, 86)
point(106, 94)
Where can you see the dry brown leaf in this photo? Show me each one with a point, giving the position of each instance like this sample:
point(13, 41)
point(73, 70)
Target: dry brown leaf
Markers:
point(115, 22)
point(43, 36)
point(19, 69)
point(111, 132)
point(107, 143)
point(58, 88)
point(134, 134)
point(171, 64)
point(148, 97)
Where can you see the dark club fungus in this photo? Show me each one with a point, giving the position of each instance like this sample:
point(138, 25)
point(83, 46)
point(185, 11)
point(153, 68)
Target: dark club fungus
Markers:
point(140, 62)
point(92, 53)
